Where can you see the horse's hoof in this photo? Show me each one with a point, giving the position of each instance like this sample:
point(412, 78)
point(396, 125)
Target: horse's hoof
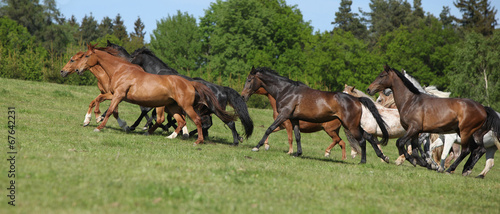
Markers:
point(480, 176)
point(86, 124)
point(255, 149)
point(297, 154)
point(414, 162)
point(99, 119)
point(185, 136)
point(386, 159)
point(240, 139)
point(144, 128)
point(266, 147)
point(327, 154)
point(172, 136)
point(195, 144)
point(440, 169)
point(467, 173)
point(131, 128)
point(362, 162)
point(127, 129)
point(234, 144)
point(97, 130)
point(398, 162)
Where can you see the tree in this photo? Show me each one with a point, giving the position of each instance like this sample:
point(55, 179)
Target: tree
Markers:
point(348, 21)
point(475, 67)
point(28, 13)
point(136, 37)
point(477, 15)
point(119, 29)
point(105, 27)
point(88, 29)
point(445, 16)
point(387, 15)
point(177, 41)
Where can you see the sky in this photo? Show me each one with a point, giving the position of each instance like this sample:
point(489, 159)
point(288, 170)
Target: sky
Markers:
point(320, 13)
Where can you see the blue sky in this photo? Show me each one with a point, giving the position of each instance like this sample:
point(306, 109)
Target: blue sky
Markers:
point(320, 12)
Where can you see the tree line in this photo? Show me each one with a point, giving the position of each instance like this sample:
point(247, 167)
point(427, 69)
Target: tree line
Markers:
point(457, 54)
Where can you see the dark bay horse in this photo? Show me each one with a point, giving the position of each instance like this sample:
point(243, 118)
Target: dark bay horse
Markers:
point(331, 128)
point(128, 82)
point(225, 95)
point(296, 101)
point(421, 112)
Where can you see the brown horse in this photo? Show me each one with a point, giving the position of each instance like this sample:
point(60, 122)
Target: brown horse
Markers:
point(295, 101)
point(421, 112)
point(128, 82)
point(331, 128)
point(102, 83)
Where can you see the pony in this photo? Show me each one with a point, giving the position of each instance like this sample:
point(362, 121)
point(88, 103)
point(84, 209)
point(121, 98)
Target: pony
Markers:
point(296, 101)
point(225, 95)
point(331, 128)
point(128, 82)
point(420, 112)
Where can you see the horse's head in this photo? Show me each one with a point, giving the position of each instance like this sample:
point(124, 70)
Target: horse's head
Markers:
point(252, 84)
point(87, 60)
point(74, 65)
point(383, 81)
point(386, 98)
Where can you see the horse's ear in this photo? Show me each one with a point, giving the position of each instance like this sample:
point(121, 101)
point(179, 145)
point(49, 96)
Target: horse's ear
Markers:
point(387, 68)
point(253, 71)
point(345, 85)
point(353, 88)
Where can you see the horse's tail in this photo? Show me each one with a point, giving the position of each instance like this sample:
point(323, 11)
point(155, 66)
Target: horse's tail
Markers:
point(240, 106)
point(492, 121)
point(208, 98)
point(368, 103)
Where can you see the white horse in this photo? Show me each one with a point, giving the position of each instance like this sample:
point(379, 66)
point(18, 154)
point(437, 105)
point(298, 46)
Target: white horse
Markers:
point(368, 123)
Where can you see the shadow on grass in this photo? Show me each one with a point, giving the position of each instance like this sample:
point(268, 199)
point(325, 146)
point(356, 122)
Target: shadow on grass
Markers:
point(326, 160)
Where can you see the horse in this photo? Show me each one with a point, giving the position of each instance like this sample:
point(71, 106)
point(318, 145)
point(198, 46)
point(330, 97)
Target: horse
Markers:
point(331, 128)
point(296, 101)
point(128, 82)
point(103, 84)
point(420, 112)
point(225, 95)
point(390, 115)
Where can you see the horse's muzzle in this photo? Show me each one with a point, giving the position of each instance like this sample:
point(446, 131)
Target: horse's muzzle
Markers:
point(64, 73)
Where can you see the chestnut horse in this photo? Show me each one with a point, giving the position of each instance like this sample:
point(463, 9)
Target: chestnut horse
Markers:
point(128, 82)
point(421, 112)
point(296, 101)
point(331, 128)
point(73, 66)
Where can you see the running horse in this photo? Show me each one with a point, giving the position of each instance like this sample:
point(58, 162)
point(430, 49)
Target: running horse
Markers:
point(296, 101)
point(421, 112)
point(128, 82)
point(331, 128)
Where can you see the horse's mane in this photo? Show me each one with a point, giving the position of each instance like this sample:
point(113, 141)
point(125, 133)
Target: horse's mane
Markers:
point(434, 91)
point(150, 53)
point(431, 90)
point(407, 82)
point(268, 71)
point(108, 50)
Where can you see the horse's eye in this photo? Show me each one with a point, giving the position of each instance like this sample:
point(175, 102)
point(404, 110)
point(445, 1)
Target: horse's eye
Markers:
point(87, 56)
point(71, 60)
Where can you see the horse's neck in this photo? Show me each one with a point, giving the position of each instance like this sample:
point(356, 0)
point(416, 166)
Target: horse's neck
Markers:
point(101, 75)
point(402, 95)
point(108, 65)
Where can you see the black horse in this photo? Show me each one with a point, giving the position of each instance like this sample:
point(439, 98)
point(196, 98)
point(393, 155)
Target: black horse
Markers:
point(225, 95)
point(296, 101)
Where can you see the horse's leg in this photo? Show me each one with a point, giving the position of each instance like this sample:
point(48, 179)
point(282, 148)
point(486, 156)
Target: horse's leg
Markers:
point(490, 161)
point(282, 117)
point(117, 98)
point(465, 151)
point(374, 142)
point(296, 130)
point(197, 121)
point(179, 116)
point(289, 131)
point(416, 150)
point(88, 116)
point(448, 143)
point(160, 117)
point(236, 136)
point(144, 112)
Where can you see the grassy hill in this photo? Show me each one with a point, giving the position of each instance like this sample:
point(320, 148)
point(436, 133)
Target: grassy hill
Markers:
point(62, 167)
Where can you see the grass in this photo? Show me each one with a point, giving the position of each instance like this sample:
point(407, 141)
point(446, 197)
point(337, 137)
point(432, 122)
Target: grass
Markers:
point(62, 167)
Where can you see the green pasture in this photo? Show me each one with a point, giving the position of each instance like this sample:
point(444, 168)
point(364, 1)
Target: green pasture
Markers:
point(62, 167)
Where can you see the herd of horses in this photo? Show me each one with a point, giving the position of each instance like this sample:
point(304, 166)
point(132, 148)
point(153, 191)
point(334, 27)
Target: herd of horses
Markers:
point(404, 109)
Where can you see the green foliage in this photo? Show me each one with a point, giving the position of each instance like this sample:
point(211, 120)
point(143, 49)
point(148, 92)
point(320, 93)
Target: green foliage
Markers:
point(177, 41)
point(476, 69)
point(477, 15)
